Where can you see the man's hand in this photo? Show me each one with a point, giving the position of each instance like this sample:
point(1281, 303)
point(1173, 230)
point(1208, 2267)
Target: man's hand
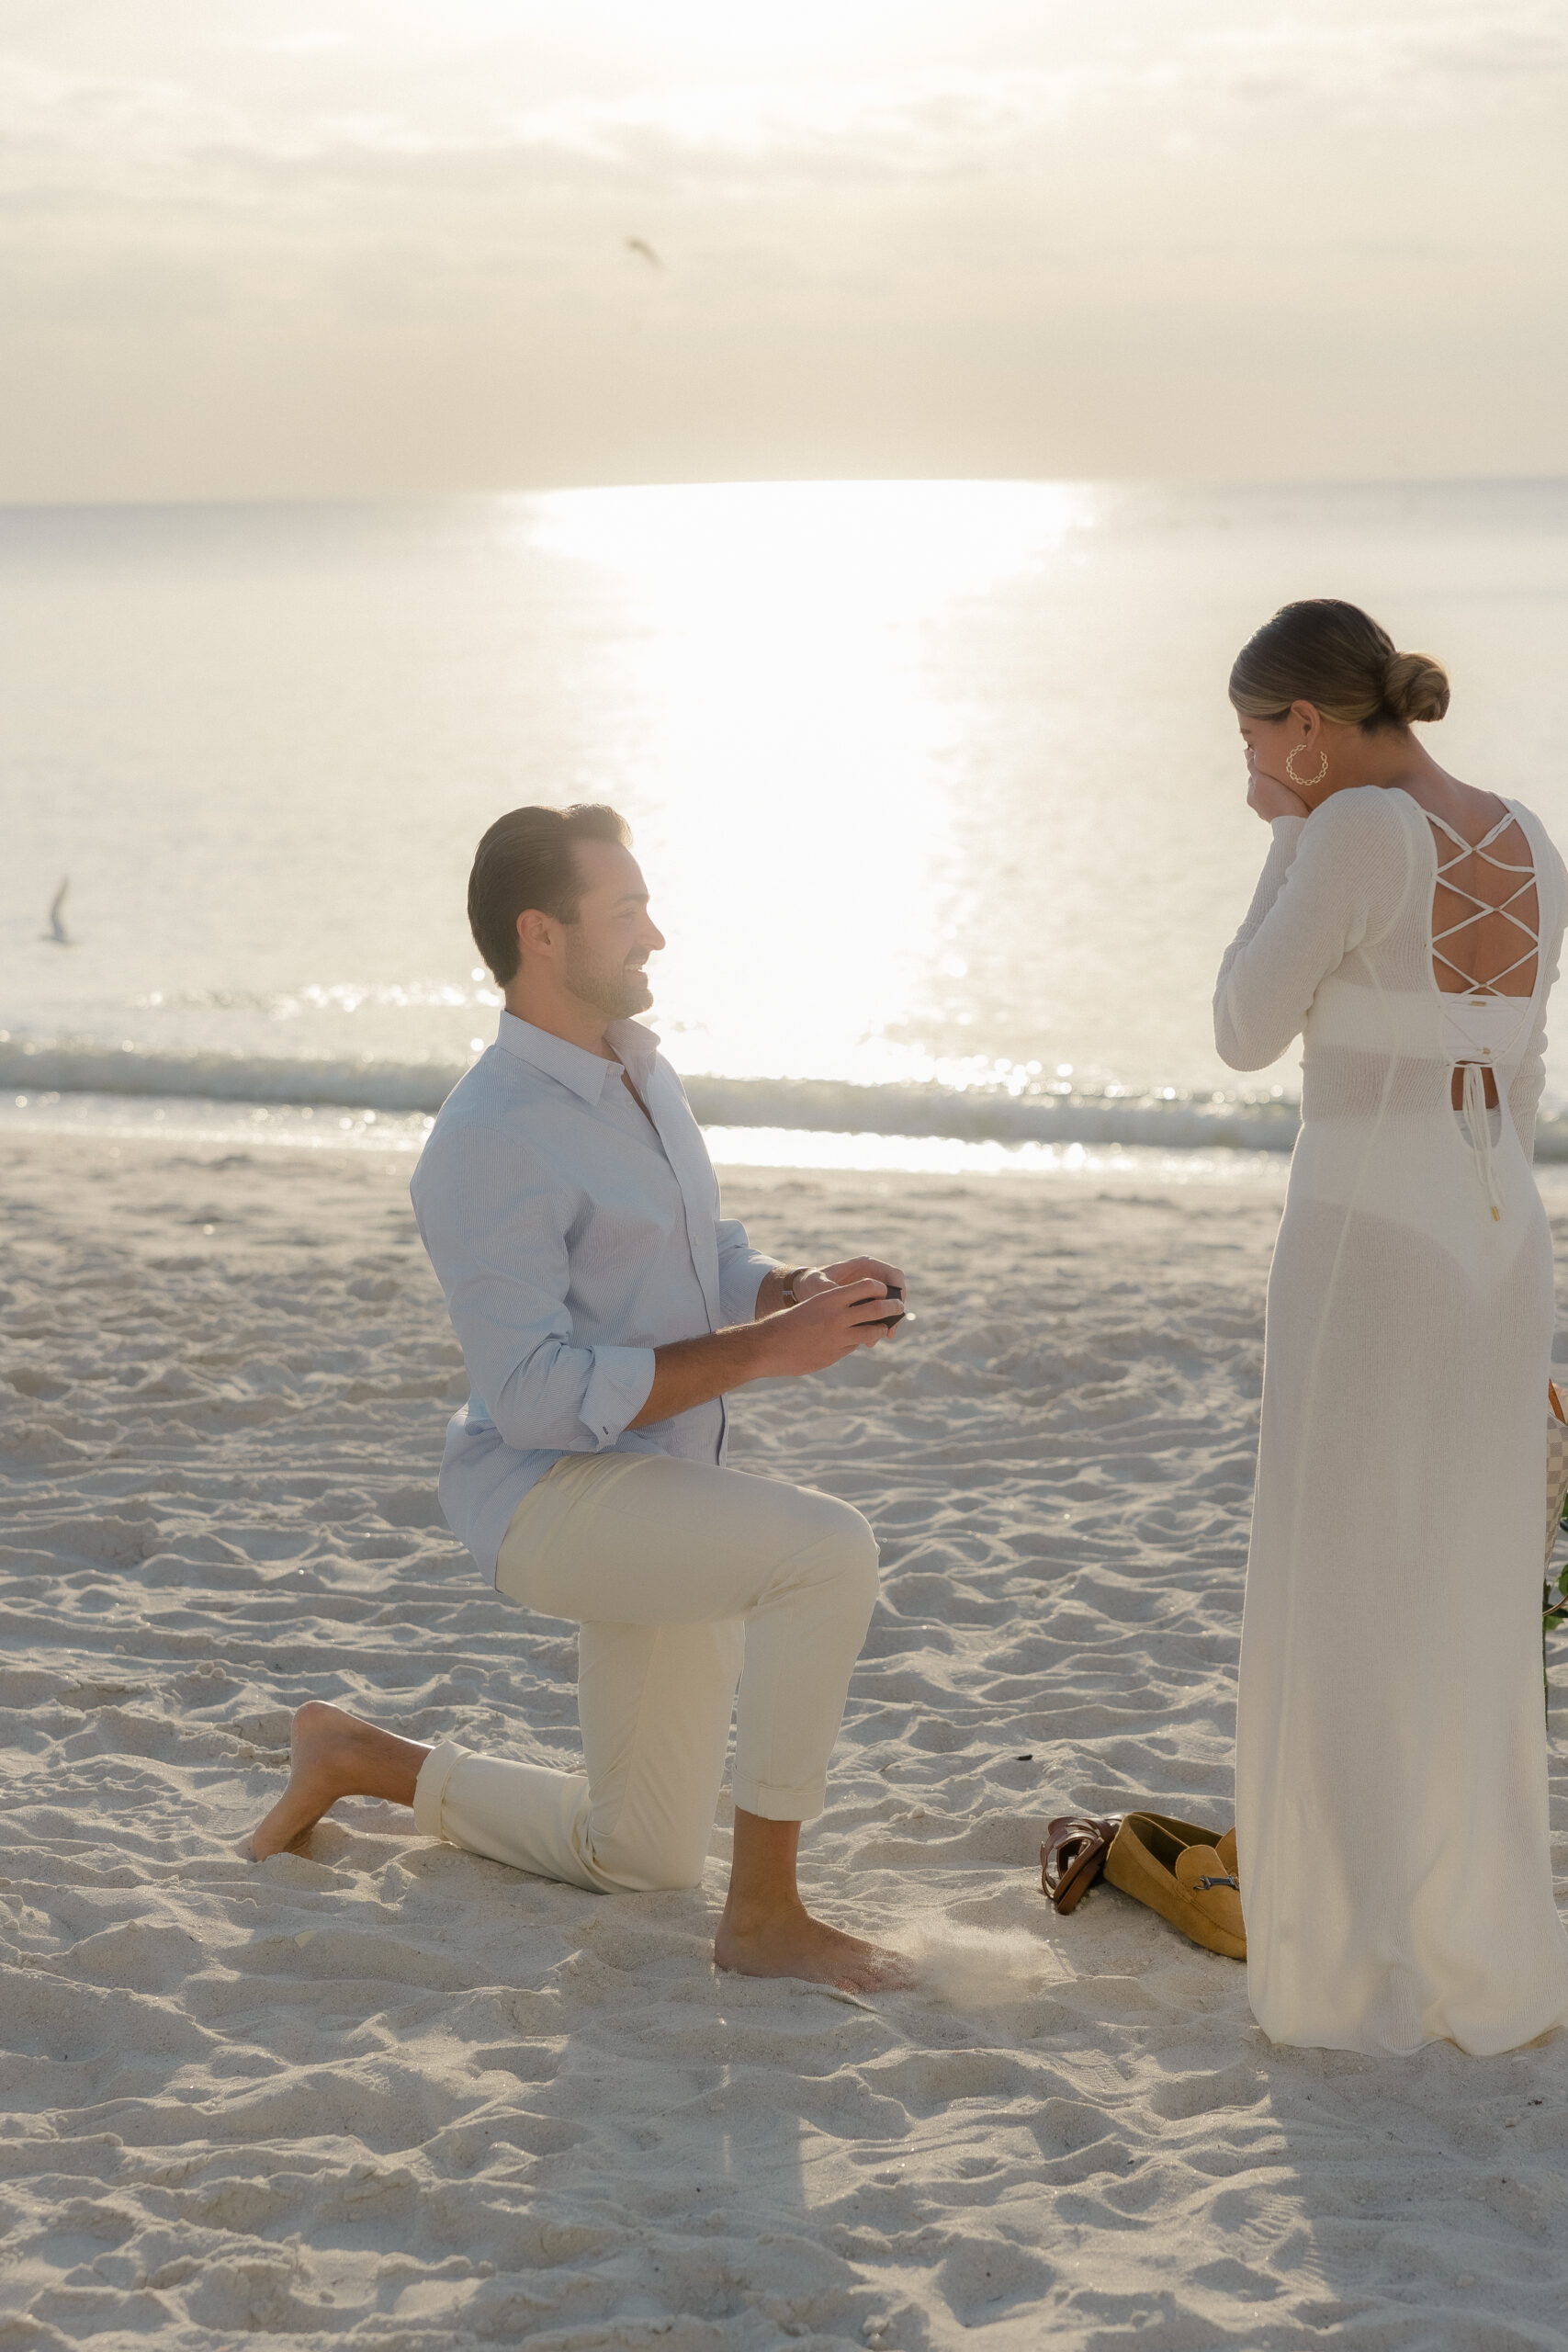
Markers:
point(816, 1282)
point(822, 1331)
point(818, 1278)
point(778, 1346)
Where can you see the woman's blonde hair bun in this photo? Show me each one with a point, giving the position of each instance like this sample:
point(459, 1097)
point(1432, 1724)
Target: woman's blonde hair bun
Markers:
point(1415, 688)
point(1337, 657)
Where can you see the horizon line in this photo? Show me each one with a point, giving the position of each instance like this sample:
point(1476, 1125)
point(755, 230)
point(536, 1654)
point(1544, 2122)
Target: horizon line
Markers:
point(1232, 486)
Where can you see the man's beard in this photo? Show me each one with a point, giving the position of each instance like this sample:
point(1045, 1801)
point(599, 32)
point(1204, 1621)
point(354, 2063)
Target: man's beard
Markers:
point(616, 992)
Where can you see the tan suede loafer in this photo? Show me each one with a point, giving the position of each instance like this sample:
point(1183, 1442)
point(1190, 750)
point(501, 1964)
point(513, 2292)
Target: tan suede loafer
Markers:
point(1186, 1874)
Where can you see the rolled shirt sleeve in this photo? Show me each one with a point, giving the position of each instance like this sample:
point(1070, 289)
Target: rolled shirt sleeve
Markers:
point(620, 1382)
point(494, 1221)
point(740, 1272)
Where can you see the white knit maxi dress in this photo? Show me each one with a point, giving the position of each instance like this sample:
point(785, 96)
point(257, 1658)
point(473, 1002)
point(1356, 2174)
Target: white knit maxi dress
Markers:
point(1391, 1749)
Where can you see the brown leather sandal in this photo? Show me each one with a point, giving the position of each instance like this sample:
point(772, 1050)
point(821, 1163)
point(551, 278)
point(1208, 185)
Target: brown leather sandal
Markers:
point(1074, 1855)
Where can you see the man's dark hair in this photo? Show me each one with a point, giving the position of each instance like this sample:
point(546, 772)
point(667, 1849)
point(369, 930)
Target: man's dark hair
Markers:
point(527, 859)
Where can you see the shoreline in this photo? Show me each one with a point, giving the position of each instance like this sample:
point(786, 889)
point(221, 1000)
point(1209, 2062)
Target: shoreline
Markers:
point(750, 1123)
point(112, 1119)
point(745, 1153)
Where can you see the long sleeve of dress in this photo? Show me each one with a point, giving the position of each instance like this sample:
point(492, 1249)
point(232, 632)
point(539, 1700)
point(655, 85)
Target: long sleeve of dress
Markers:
point(1326, 880)
point(1530, 1079)
point(1530, 1083)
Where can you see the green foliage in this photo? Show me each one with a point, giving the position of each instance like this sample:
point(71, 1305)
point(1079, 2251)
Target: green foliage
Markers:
point(1553, 1605)
point(1553, 1613)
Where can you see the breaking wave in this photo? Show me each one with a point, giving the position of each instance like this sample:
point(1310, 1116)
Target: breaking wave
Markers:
point(1169, 1119)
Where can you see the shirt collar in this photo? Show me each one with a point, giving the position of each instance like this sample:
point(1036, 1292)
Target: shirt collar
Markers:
point(585, 1073)
point(635, 1044)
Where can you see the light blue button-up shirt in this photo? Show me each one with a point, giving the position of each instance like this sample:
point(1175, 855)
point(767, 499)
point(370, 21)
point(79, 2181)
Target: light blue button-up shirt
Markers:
point(570, 1240)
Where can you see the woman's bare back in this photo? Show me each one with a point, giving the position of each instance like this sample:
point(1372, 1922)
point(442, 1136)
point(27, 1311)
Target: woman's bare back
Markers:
point(1472, 949)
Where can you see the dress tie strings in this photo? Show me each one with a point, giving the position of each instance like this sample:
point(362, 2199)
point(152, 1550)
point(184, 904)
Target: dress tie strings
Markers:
point(1477, 1120)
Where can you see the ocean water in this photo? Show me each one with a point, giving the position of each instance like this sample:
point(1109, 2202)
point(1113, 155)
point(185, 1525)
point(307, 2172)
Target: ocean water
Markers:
point(936, 785)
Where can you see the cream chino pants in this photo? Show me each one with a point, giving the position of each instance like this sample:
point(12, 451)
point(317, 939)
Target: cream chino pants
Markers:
point(685, 1580)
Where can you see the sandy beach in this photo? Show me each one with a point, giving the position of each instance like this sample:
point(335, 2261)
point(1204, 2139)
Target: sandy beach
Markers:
point(378, 2093)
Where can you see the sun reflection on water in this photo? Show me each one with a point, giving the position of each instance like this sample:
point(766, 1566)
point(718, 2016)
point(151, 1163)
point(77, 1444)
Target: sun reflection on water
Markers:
point(791, 765)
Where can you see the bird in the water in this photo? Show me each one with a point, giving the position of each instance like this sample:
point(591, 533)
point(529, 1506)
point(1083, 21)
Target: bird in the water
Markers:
point(57, 931)
point(640, 245)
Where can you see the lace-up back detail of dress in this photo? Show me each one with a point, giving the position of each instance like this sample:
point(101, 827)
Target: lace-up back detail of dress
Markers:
point(1485, 901)
point(1488, 979)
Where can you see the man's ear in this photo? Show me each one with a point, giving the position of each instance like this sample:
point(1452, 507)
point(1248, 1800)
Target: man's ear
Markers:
point(537, 932)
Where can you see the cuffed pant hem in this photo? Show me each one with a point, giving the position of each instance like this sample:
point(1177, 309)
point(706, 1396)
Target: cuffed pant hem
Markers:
point(429, 1789)
point(770, 1803)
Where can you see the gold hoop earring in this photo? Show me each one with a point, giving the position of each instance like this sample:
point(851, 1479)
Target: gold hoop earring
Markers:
point(1306, 783)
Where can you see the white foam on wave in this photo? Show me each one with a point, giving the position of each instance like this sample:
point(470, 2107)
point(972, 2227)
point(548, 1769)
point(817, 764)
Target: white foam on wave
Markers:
point(1166, 1116)
point(192, 1119)
point(332, 1127)
point(926, 1128)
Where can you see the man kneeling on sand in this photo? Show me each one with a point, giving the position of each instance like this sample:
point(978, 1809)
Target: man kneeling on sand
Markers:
point(605, 1309)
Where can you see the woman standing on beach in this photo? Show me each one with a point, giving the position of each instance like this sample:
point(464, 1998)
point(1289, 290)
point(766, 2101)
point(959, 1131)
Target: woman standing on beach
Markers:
point(1390, 1753)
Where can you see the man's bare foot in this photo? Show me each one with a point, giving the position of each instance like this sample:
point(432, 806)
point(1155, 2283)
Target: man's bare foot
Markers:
point(787, 1941)
point(334, 1755)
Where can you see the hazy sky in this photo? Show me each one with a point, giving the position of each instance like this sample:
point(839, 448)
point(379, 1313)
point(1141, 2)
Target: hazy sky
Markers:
point(254, 247)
